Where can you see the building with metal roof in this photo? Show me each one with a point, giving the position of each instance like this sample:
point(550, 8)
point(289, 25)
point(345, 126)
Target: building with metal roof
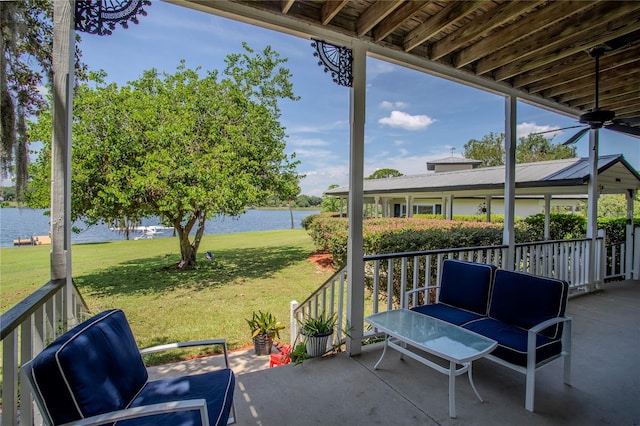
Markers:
point(559, 183)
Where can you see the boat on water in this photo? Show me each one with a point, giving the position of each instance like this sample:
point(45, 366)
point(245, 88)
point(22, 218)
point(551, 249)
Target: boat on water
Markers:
point(145, 232)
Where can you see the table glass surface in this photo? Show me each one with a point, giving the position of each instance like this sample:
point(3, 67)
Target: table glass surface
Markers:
point(434, 335)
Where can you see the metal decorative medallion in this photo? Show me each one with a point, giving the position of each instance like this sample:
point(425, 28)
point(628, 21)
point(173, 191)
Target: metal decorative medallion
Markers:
point(335, 59)
point(101, 16)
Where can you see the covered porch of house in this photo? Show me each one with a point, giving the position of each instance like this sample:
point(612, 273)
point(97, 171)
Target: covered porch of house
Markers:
point(605, 387)
point(346, 390)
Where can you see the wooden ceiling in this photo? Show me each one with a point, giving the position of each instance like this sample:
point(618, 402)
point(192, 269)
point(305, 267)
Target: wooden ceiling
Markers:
point(540, 48)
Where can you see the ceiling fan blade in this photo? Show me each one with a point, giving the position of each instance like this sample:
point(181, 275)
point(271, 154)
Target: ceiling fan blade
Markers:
point(555, 130)
point(574, 138)
point(621, 128)
point(630, 121)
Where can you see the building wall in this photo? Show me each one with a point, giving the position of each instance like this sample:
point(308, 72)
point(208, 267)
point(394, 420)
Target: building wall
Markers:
point(474, 206)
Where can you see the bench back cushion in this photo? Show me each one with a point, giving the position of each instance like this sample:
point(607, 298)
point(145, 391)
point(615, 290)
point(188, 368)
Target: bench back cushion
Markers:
point(92, 369)
point(466, 285)
point(525, 300)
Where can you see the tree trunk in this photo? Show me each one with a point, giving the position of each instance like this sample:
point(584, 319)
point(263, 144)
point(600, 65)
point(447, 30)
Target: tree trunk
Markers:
point(189, 250)
point(291, 214)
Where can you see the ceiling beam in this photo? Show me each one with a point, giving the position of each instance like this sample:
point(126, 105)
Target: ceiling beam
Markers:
point(374, 14)
point(489, 21)
point(405, 12)
point(452, 13)
point(330, 9)
point(556, 40)
point(571, 68)
point(573, 44)
point(608, 80)
point(511, 34)
point(286, 5)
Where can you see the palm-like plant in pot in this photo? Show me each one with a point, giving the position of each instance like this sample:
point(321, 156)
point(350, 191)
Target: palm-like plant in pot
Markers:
point(264, 327)
point(317, 331)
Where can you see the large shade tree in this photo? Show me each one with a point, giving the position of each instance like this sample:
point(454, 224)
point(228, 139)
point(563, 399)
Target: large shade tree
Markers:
point(184, 147)
point(529, 149)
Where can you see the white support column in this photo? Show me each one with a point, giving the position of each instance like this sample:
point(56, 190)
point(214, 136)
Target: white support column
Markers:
point(629, 236)
point(547, 216)
point(63, 80)
point(508, 235)
point(450, 207)
point(592, 204)
point(444, 207)
point(409, 205)
point(376, 212)
point(355, 252)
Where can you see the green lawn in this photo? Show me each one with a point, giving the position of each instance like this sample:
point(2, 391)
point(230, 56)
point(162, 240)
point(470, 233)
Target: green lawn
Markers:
point(250, 271)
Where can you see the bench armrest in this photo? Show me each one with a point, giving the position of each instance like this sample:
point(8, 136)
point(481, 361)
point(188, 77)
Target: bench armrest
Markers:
point(194, 343)
point(548, 323)
point(146, 410)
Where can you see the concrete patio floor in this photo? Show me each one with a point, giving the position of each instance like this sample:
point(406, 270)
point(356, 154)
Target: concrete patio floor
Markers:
point(346, 390)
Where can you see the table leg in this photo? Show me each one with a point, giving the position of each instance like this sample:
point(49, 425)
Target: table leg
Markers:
point(473, 386)
point(375, 367)
point(452, 389)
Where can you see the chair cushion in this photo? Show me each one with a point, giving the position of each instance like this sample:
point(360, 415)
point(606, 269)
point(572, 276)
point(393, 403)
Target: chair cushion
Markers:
point(447, 313)
point(109, 376)
point(466, 285)
point(512, 341)
point(216, 387)
point(524, 300)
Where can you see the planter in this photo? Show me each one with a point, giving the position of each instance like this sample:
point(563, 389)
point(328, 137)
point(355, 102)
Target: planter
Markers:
point(317, 344)
point(262, 344)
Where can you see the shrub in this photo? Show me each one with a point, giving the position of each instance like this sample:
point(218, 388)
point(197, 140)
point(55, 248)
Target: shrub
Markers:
point(307, 221)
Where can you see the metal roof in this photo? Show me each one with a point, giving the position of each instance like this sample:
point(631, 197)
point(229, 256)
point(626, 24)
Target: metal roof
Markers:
point(568, 176)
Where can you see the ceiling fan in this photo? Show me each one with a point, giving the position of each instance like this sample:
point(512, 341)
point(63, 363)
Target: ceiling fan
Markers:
point(600, 118)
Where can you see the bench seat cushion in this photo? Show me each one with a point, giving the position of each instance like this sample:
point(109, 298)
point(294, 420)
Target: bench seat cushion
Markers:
point(512, 341)
point(466, 285)
point(447, 313)
point(525, 300)
point(216, 387)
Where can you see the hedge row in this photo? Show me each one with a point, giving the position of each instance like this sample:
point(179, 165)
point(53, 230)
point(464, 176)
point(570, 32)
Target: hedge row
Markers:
point(396, 235)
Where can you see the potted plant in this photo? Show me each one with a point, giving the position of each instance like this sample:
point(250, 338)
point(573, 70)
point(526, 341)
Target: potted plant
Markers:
point(264, 327)
point(317, 332)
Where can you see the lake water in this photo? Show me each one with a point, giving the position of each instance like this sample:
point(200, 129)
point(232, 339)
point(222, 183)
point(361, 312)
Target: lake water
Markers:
point(24, 223)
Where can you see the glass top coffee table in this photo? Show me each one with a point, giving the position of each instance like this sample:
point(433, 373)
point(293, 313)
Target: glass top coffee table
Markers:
point(447, 341)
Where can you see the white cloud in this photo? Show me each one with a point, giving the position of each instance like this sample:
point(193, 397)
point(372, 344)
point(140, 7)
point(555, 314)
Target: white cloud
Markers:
point(377, 68)
point(402, 120)
point(393, 105)
point(318, 180)
point(525, 129)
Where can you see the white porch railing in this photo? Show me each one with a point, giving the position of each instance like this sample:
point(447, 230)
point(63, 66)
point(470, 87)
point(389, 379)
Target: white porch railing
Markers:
point(25, 330)
point(407, 279)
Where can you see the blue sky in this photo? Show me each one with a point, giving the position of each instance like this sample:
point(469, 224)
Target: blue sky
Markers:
point(411, 117)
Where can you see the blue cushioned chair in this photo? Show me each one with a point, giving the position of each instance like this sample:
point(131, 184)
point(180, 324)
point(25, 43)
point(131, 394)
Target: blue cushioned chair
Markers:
point(464, 292)
point(94, 374)
point(527, 319)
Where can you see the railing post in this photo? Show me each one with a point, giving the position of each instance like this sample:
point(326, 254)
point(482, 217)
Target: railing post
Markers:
point(601, 250)
point(636, 250)
point(9, 378)
point(26, 353)
point(293, 322)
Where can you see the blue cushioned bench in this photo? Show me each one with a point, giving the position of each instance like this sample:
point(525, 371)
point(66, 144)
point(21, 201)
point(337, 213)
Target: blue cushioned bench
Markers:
point(524, 313)
point(94, 374)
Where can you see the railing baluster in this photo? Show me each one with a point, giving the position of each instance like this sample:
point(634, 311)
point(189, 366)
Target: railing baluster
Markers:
point(390, 284)
point(376, 284)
